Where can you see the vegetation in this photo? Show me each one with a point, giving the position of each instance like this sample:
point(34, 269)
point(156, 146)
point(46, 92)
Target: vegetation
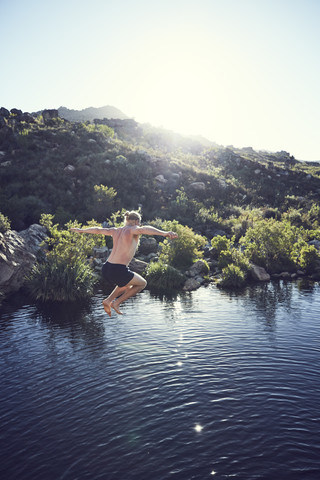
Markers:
point(254, 207)
point(184, 250)
point(64, 274)
point(4, 223)
point(164, 277)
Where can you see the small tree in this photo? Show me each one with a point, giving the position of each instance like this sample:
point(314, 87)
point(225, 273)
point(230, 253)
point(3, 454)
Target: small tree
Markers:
point(4, 223)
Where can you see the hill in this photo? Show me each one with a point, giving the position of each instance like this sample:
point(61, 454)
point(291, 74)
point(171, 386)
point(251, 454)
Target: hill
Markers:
point(89, 114)
point(81, 171)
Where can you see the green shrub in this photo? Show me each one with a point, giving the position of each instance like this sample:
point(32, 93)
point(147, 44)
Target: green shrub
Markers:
point(64, 275)
point(184, 250)
point(232, 277)
point(271, 244)
point(4, 223)
point(163, 277)
point(219, 244)
point(309, 258)
point(59, 280)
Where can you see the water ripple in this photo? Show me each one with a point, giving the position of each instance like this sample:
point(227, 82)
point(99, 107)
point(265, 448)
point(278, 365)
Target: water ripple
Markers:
point(207, 382)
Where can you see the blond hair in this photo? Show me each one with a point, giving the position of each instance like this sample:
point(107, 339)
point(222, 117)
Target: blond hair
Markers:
point(132, 216)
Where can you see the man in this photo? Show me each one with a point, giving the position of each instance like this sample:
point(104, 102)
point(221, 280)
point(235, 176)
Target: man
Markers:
point(115, 270)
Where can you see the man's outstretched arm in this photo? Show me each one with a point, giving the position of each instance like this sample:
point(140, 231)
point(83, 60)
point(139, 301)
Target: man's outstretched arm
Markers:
point(149, 230)
point(94, 230)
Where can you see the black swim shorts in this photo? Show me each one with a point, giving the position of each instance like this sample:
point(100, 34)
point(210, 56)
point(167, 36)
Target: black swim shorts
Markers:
point(117, 273)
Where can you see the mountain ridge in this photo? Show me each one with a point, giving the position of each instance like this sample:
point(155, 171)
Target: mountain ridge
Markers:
point(91, 113)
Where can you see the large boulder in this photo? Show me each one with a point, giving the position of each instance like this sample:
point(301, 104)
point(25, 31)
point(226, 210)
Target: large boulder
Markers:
point(198, 186)
point(193, 283)
point(148, 245)
point(198, 268)
point(259, 273)
point(138, 266)
point(16, 261)
point(18, 255)
point(33, 237)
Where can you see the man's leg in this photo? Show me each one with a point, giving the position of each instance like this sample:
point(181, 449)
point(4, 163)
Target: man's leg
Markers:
point(135, 286)
point(114, 294)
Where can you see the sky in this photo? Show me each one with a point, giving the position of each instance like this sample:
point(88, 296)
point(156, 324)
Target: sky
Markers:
point(238, 72)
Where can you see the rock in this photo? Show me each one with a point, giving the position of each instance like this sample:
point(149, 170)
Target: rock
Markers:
point(27, 117)
point(285, 275)
point(69, 169)
point(101, 252)
point(137, 266)
point(315, 243)
point(220, 233)
point(33, 237)
point(49, 115)
point(16, 111)
point(175, 176)
point(259, 273)
point(197, 268)
point(191, 284)
point(222, 183)
point(16, 261)
point(160, 179)
point(4, 112)
point(148, 245)
point(198, 186)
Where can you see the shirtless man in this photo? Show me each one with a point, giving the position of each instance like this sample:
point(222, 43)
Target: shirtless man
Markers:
point(115, 270)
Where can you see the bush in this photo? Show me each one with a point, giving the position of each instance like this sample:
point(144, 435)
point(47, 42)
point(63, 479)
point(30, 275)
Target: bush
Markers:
point(309, 258)
point(4, 223)
point(163, 277)
point(232, 277)
point(184, 250)
point(219, 244)
point(272, 244)
point(59, 280)
point(64, 275)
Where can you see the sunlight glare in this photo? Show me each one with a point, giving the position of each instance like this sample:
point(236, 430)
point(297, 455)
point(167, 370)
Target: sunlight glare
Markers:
point(198, 428)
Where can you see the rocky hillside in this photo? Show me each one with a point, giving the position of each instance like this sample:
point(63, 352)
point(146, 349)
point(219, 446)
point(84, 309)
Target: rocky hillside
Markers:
point(81, 171)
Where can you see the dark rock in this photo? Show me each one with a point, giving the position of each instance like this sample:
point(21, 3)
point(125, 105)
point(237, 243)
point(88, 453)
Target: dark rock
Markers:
point(137, 266)
point(16, 111)
point(4, 112)
point(197, 268)
point(193, 283)
point(49, 115)
point(33, 237)
point(198, 186)
point(27, 117)
point(147, 245)
point(16, 261)
point(259, 273)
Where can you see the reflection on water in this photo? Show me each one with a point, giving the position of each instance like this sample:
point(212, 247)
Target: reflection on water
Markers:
point(187, 387)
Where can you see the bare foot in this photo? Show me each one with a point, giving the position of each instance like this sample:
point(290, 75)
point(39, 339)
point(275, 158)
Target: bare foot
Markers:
point(116, 308)
point(106, 307)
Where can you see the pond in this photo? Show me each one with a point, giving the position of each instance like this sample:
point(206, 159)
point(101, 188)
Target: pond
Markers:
point(205, 385)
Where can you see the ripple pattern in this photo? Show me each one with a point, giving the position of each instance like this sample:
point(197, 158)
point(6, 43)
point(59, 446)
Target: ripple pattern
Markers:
point(206, 385)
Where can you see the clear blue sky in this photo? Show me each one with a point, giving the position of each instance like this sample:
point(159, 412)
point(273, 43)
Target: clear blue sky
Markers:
point(240, 72)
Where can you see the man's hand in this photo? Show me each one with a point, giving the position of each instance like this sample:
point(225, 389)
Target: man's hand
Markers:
point(77, 230)
point(172, 235)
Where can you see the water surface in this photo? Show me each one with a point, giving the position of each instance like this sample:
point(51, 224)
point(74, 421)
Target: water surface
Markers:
point(205, 385)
